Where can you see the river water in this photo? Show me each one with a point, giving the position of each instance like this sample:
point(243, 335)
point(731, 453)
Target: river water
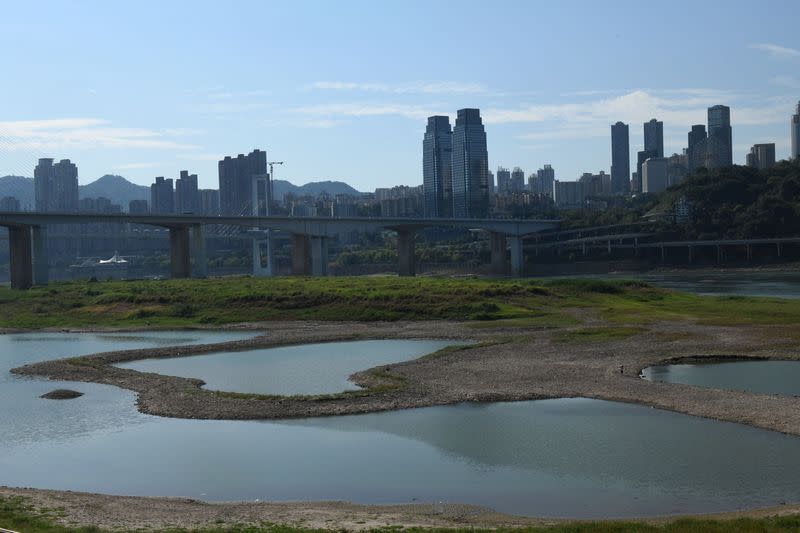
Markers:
point(764, 377)
point(306, 369)
point(576, 458)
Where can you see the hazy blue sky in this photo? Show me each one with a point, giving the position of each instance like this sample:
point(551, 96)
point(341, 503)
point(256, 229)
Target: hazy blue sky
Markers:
point(341, 89)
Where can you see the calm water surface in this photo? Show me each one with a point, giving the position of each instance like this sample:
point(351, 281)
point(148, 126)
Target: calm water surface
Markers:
point(307, 369)
point(765, 377)
point(772, 284)
point(568, 457)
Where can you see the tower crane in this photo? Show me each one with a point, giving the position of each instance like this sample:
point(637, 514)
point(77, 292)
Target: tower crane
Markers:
point(271, 179)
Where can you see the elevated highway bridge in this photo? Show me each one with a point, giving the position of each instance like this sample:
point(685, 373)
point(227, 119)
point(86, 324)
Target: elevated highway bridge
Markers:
point(28, 238)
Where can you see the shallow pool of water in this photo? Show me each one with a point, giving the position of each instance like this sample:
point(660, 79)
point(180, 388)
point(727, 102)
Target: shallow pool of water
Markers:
point(306, 369)
point(763, 377)
point(569, 457)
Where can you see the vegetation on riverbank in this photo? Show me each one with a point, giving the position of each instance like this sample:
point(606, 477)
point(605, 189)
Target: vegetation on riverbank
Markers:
point(19, 515)
point(512, 302)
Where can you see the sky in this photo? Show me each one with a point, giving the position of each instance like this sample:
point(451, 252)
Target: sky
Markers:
point(341, 89)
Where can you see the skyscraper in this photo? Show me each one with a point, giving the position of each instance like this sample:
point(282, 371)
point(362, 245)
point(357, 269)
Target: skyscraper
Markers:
point(796, 135)
point(56, 186)
point(503, 180)
point(544, 180)
point(719, 151)
point(695, 153)
point(470, 166)
point(761, 156)
point(620, 159)
point(437, 174)
point(517, 183)
point(236, 178)
point(187, 198)
point(654, 137)
point(162, 198)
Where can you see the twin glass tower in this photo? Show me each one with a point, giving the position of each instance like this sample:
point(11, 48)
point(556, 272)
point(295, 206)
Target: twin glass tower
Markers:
point(455, 167)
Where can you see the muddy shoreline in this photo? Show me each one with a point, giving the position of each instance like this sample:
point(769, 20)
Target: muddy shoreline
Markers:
point(135, 512)
point(502, 364)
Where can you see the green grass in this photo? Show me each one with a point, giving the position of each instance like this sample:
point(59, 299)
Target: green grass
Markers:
point(19, 515)
point(509, 303)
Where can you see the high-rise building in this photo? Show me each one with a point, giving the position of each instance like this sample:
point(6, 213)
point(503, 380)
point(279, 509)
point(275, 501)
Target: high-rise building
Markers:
point(236, 177)
point(9, 203)
point(654, 137)
point(470, 166)
point(796, 135)
point(544, 180)
point(761, 156)
point(187, 198)
point(209, 202)
point(517, 183)
point(695, 153)
point(568, 194)
point(503, 180)
point(719, 152)
point(437, 174)
point(162, 197)
point(138, 207)
point(620, 159)
point(56, 186)
point(653, 147)
point(492, 188)
point(655, 175)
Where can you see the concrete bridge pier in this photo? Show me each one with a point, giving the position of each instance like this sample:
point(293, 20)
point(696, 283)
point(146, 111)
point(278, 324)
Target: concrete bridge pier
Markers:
point(41, 265)
point(301, 255)
point(406, 259)
point(497, 247)
point(319, 255)
point(21, 267)
point(179, 256)
point(517, 259)
point(200, 262)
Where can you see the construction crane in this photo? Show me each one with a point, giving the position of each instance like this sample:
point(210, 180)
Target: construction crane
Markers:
point(271, 180)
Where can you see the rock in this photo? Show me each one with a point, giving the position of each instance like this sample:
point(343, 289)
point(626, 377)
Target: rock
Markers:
point(61, 394)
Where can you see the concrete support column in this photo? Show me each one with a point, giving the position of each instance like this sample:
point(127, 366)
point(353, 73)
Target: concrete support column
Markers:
point(719, 253)
point(200, 262)
point(41, 265)
point(319, 256)
point(663, 254)
point(517, 260)
point(749, 252)
point(691, 256)
point(406, 259)
point(497, 246)
point(179, 256)
point(19, 241)
point(301, 255)
point(779, 248)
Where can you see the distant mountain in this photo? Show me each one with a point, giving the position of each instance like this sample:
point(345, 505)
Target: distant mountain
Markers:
point(121, 191)
point(115, 188)
point(20, 188)
point(281, 187)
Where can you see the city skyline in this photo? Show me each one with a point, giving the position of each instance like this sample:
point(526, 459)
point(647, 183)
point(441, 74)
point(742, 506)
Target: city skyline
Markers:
point(119, 111)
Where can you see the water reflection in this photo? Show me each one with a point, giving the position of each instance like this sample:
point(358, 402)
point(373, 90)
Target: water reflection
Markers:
point(763, 377)
point(307, 369)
